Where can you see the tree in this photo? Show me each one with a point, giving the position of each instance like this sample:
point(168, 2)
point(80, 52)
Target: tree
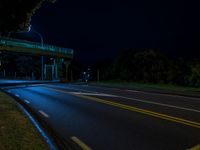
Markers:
point(16, 14)
point(194, 78)
point(145, 65)
point(25, 65)
point(8, 64)
point(178, 71)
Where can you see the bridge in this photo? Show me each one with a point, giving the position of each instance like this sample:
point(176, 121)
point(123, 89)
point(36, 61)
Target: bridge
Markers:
point(60, 54)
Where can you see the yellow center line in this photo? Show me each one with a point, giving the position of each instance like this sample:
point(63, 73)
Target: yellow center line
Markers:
point(135, 109)
point(196, 147)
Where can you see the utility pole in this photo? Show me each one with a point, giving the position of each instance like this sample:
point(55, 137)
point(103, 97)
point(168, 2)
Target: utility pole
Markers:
point(71, 76)
point(42, 57)
point(98, 75)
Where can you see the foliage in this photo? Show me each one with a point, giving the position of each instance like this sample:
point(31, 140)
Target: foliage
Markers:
point(194, 78)
point(16, 14)
point(20, 66)
point(152, 66)
point(141, 65)
point(25, 65)
point(101, 67)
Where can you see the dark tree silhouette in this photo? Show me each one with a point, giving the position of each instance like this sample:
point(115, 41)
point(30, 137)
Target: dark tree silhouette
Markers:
point(16, 14)
point(153, 66)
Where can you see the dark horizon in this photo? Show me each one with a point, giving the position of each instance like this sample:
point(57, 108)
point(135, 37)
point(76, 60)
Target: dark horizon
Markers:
point(118, 24)
point(98, 30)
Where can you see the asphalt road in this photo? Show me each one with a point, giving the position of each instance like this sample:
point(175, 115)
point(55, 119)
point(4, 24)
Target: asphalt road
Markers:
point(115, 119)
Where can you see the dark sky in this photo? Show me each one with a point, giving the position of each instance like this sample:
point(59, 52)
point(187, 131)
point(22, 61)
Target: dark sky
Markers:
point(97, 28)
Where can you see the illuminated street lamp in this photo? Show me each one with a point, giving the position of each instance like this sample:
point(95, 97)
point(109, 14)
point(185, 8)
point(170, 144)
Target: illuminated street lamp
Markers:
point(41, 37)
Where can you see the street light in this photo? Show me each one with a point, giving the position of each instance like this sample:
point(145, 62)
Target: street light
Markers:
point(41, 37)
point(42, 42)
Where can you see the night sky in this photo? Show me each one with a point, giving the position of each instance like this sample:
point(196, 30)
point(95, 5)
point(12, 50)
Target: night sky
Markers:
point(97, 29)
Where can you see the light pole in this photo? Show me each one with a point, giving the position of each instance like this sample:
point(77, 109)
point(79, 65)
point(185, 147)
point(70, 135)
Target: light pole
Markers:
point(42, 58)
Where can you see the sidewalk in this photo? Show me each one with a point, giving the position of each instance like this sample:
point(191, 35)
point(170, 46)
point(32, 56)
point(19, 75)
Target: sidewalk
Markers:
point(16, 131)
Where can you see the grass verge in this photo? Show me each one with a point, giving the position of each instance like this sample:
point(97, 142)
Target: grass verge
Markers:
point(137, 85)
point(16, 131)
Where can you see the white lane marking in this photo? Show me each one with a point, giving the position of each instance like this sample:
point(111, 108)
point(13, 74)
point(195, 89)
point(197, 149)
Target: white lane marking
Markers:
point(133, 91)
point(169, 95)
point(80, 143)
point(93, 94)
point(44, 114)
point(17, 95)
point(146, 92)
point(65, 87)
point(115, 89)
point(160, 104)
point(27, 101)
point(146, 101)
point(78, 89)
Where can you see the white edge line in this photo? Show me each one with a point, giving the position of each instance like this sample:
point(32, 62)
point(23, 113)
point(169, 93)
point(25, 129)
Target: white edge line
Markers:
point(80, 143)
point(164, 94)
point(37, 126)
point(43, 113)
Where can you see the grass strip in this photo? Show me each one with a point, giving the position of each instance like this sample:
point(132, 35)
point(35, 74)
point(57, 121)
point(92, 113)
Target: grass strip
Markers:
point(16, 131)
point(158, 86)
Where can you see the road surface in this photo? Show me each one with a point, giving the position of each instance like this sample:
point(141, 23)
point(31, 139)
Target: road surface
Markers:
point(103, 118)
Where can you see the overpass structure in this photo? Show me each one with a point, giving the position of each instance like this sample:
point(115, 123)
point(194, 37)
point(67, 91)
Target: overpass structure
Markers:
point(61, 55)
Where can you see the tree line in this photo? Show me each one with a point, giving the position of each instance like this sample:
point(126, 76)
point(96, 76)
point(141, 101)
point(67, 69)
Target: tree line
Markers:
point(19, 66)
point(151, 66)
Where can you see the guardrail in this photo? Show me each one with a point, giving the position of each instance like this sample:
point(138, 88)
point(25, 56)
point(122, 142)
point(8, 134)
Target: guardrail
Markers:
point(34, 45)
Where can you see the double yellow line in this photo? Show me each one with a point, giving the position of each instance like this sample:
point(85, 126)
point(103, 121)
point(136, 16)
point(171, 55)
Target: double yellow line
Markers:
point(135, 109)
